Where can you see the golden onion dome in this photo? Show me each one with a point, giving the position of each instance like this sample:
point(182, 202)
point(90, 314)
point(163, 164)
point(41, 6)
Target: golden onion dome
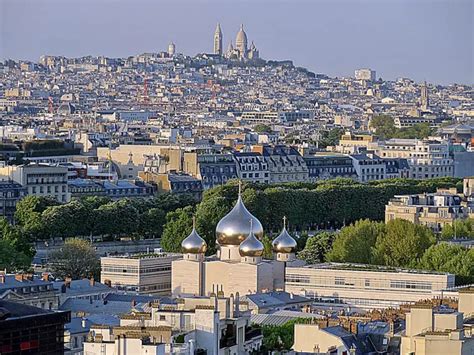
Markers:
point(193, 243)
point(284, 243)
point(251, 246)
point(234, 227)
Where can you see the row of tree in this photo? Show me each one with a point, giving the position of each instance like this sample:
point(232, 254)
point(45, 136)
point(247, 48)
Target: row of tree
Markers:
point(43, 218)
point(331, 203)
point(398, 243)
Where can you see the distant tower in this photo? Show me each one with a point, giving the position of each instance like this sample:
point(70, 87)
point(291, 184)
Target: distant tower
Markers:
point(218, 40)
point(241, 42)
point(425, 100)
point(171, 49)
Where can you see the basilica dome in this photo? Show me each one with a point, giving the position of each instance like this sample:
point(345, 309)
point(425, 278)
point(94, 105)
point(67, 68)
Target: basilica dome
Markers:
point(234, 228)
point(284, 243)
point(193, 243)
point(251, 246)
point(241, 40)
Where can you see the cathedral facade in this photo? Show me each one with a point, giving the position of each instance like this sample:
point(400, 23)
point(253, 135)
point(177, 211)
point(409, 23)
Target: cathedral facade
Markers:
point(238, 267)
point(241, 51)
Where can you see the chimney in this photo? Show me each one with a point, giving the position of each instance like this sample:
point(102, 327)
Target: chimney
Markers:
point(134, 303)
point(45, 276)
point(2, 278)
point(292, 295)
point(92, 281)
point(83, 322)
point(67, 282)
point(108, 283)
point(19, 277)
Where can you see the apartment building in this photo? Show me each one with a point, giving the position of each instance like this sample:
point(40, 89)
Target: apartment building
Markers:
point(252, 167)
point(369, 167)
point(148, 273)
point(41, 179)
point(10, 193)
point(427, 158)
point(434, 210)
point(363, 287)
point(322, 166)
point(285, 164)
point(29, 290)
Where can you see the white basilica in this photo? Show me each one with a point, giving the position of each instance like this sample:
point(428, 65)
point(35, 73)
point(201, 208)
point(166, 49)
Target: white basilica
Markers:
point(238, 266)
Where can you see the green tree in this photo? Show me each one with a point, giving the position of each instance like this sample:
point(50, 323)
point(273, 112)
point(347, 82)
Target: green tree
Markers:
point(330, 138)
point(268, 248)
point(279, 337)
point(16, 252)
point(76, 259)
point(152, 222)
point(384, 126)
point(402, 243)
point(317, 247)
point(28, 215)
point(179, 224)
point(68, 220)
point(262, 128)
point(454, 259)
point(354, 243)
point(463, 228)
point(117, 218)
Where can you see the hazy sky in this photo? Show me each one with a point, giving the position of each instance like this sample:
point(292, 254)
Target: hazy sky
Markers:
point(423, 39)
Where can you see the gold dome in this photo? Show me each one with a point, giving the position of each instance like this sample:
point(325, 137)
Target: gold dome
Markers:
point(234, 227)
point(193, 243)
point(251, 246)
point(284, 243)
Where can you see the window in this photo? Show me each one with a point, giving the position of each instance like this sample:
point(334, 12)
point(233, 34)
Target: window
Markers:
point(162, 317)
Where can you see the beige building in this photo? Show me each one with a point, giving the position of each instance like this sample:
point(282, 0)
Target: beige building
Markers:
point(238, 266)
point(351, 143)
point(40, 179)
point(216, 324)
point(434, 210)
point(426, 158)
point(435, 332)
point(363, 287)
point(310, 338)
point(143, 273)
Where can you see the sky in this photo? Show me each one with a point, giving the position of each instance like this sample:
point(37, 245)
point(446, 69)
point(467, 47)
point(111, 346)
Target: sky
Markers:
point(428, 40)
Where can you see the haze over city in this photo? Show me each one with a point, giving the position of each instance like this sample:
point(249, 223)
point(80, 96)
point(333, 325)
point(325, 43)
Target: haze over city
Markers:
point(423, 40)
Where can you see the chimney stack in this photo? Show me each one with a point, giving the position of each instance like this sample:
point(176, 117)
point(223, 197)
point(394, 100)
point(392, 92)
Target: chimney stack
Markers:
point(92, 281)
point(67, 282)
point(2, 278)
point(19, 277)
point(45, 276)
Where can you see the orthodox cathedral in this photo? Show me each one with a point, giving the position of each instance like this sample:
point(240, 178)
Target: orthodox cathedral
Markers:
point(238, 266)
point(241, 50)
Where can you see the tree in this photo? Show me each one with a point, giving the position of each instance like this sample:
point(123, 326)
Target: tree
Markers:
point(117, 218)
point(262, 128)
point(384, 126)
point(77, 259)
point(402, 243)
point(279, 337)
point(463, 228)
point(330, 138)
point(179, 224)
point(267, 247)
point(68, 220)
point(454, 259)
point(152, 222)
point(16, 253)
point(317, 247)
point(28, 215)
point(354, 243)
